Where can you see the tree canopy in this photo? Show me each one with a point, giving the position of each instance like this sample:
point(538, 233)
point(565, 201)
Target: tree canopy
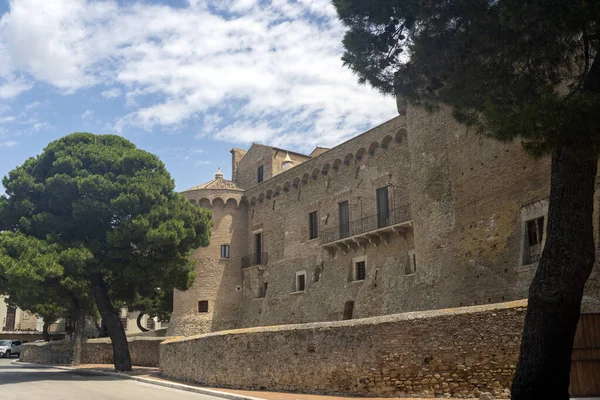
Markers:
point(103, 211)
point(513, 68)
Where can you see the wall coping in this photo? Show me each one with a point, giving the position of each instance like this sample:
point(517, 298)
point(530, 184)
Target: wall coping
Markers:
point(98, 340)
point(408, 316)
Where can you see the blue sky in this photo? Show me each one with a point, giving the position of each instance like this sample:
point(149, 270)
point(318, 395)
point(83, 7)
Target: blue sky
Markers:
point(184, 79)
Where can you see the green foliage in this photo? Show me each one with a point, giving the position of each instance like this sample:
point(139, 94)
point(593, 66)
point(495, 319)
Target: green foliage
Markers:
point(513, 69)
point(158, 304)
point(95, 203)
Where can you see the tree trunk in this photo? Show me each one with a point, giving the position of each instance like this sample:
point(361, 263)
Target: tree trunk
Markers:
point(116, 331)
point(139, 322)
point(557, 288)
point(78, 333)
point(45, 333)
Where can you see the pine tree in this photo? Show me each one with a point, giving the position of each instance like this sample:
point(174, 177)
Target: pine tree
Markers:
point(515, 70)
point(103, 212)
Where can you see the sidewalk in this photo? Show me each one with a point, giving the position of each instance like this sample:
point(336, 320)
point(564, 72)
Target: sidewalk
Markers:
point(150, 375)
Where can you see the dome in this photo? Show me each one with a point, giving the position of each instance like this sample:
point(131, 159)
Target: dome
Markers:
point(217, 184)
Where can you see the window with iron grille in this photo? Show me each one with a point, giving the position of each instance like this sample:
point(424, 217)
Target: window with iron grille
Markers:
point(260, 174)
point(534, 236)
point(313, 225)
point(150, 323)
point(124, 322)
point(360, 270)
point(224, 251)
point(203, 306)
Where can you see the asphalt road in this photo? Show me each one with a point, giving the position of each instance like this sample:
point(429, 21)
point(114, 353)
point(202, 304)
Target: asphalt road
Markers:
point(27, 383)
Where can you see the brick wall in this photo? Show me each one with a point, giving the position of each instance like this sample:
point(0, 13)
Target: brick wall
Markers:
point(458, 352)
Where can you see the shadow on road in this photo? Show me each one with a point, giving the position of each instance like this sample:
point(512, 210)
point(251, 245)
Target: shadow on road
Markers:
point(13, 374)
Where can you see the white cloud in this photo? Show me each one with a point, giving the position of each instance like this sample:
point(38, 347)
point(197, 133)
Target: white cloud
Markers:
point(12, 87)
point(111, 93)
point(268, 72)
point(8, 143)
point(87, 114)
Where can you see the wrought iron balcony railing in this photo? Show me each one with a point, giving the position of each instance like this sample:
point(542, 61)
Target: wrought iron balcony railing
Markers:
point(254, 259)
point(367, 224)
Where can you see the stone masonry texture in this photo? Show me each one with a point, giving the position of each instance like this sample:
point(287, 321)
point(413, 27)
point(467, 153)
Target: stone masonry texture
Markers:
point(144, 352)
point(468, 198)
point(458, 352)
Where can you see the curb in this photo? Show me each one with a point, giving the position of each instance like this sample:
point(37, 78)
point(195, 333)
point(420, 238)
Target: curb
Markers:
point(171, 385)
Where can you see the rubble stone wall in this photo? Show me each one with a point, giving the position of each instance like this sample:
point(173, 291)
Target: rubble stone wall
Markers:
point(144, 351)
point(460, 352)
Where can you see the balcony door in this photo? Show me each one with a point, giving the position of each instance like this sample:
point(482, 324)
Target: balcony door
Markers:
point(383, 207)
point(344, 219)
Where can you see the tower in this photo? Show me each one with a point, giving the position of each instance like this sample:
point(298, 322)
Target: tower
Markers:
point(212, 303)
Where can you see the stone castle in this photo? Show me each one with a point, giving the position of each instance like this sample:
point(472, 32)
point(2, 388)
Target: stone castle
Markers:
point(419, 213)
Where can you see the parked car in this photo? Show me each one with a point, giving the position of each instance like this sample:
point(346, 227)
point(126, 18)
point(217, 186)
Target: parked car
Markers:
point(9, 348)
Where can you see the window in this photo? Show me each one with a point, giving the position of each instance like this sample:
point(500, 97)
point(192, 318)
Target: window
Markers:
point(411, 266)
point(313, 225)
point(260, 174)
point(300, 281)
point(150, 323)
point(534, 235)
point(344, 219)
point(124, 322)
point(348, 309)
point(203, 306)
point(383, 207)
point(263, 290)
point(258, 248)
point(360, 270)
point(25, 315)
point(224, 251)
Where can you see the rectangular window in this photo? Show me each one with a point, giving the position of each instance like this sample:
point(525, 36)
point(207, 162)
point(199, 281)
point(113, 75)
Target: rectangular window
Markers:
point(383, 207)
point(360, 270)
point(260, 174)
point(534, 235)
point(203, 306)
point(344, 219)
point(411, 267)
point(348, 310)
point(257, 248)
point(124, 322)
point(313, 226)
point(300, 281)
point(263, 290)
point(224, 251)
point(150, 323)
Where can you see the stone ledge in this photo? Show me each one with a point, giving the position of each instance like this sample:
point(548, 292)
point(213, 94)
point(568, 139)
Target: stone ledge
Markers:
point(414, 315)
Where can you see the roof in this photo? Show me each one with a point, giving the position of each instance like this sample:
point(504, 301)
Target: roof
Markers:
point(217, 184)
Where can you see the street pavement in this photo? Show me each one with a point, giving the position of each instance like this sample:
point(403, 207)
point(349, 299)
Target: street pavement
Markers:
point(30, 383)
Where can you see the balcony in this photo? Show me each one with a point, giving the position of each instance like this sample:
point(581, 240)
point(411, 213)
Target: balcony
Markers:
point(373, 229)
point(254, 259)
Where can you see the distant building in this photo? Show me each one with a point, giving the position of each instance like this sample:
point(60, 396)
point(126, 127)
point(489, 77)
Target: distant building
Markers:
point(14, 319)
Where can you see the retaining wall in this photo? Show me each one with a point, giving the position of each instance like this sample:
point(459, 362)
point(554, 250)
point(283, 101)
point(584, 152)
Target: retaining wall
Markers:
point(459, 352)
point(144, 351)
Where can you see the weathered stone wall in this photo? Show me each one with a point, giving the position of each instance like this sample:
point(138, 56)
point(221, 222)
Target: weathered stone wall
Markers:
point(218, 280)
point(458, 352)
point(319, 185)
point(470, 196)
point(144, 352)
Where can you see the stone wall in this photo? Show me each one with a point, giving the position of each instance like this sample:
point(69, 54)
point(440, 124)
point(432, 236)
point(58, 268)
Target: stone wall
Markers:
point(218, 280)
point(144, 352)
point(458, 352)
